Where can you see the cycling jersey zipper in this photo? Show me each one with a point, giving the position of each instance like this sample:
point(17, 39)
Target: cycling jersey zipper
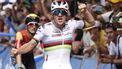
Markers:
point(62, 38)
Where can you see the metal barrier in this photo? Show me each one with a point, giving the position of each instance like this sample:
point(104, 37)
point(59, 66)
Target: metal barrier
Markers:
point(7, 34)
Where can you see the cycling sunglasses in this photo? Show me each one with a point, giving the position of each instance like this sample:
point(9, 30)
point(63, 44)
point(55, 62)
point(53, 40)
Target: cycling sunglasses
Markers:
point(61, 11)
point(33, 24)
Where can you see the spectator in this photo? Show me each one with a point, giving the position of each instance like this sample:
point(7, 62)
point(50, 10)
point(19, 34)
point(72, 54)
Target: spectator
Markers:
point(115, 53)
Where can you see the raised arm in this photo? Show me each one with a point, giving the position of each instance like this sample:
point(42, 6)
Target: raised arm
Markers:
point(45, 10)
point(86, 14)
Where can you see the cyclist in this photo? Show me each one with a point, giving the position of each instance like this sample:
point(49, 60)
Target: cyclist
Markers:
point(56, 36)
point(23, 37)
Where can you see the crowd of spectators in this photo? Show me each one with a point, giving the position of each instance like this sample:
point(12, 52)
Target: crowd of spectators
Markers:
point(95, 39)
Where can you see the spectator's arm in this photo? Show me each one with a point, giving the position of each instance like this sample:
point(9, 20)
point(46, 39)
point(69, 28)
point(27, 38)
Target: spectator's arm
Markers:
point(19, 4)
point(89, 18)
point(19, 60)
point(14, 13)
point(45, 11)
point(117, 61)
point(86, 14)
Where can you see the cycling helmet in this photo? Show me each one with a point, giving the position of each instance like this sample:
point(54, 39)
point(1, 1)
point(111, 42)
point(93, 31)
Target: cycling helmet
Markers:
point(32, 18)
point(59, 5)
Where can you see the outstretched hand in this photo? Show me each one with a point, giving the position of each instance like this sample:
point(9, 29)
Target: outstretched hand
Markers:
point(81, 6)
point(42, 1)
point(14, 52)
point(105, 60)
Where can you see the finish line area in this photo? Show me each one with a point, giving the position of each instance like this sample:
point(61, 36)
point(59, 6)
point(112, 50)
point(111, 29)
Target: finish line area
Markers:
point(77, 62)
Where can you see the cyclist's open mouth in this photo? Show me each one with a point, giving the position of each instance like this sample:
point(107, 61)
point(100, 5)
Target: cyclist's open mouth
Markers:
point(60, 19)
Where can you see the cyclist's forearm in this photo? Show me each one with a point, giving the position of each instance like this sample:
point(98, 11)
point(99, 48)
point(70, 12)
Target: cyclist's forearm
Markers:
point(19, 60)
point(27, 47)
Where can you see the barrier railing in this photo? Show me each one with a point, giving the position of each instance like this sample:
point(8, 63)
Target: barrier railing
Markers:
point(7, 34)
